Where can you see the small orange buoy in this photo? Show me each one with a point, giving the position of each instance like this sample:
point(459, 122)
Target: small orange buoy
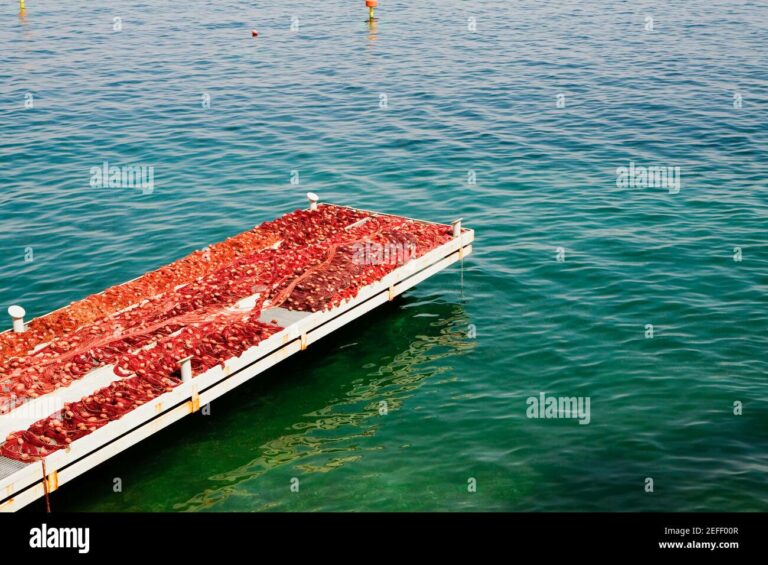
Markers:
point(371, 4)
point(254, 33)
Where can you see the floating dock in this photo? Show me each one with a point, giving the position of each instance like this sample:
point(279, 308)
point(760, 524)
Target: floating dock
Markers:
point(22, 482)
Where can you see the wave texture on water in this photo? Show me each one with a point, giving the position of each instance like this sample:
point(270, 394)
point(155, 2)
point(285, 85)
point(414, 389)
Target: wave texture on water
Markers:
point(513, 115)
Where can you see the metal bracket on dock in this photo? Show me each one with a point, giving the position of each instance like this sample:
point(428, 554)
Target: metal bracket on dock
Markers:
point(195, 401)
point(52, 480)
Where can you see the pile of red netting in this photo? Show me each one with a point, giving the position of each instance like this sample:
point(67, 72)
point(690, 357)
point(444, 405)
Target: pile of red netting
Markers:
point(305, 260)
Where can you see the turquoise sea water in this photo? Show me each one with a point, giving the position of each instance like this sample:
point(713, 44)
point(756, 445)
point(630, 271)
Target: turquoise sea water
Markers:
point(457, 101)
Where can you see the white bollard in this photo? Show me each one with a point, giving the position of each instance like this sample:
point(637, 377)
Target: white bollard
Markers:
point(186, 369)
point(456, 227)
point(17, 314)
point(313, 198)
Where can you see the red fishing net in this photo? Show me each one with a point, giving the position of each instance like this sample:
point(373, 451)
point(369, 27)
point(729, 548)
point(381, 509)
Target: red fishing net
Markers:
point(305, 260)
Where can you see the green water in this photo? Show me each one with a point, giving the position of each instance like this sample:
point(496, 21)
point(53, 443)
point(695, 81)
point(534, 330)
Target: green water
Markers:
point(453, 368)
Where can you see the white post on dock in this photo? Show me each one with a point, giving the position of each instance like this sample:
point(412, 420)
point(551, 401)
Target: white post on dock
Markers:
point(456, 227)
point(17, 314)
point(313, 198)
point(186, 369)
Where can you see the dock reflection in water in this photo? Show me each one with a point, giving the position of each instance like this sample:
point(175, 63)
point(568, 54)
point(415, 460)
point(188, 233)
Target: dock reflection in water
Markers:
point(338, 433)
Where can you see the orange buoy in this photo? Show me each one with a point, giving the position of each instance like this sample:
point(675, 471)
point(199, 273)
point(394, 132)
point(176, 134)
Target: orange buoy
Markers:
point(254, 33)
point(371, 4)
